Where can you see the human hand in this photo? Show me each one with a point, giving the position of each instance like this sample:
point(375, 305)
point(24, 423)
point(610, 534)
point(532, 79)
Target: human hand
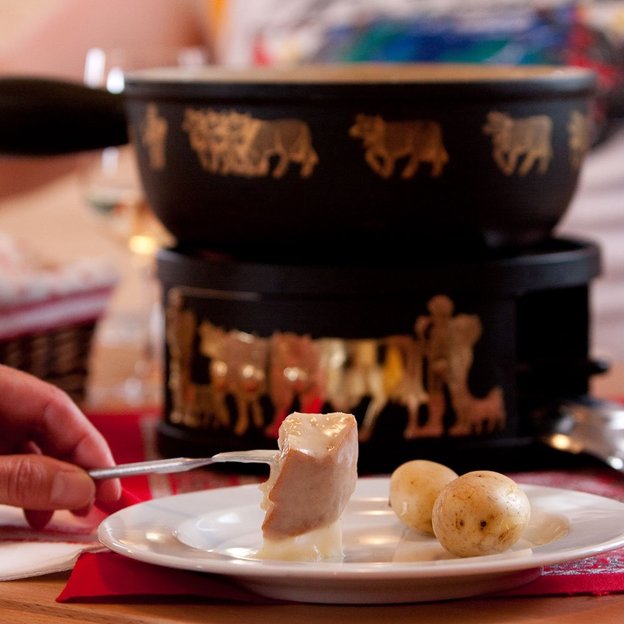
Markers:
point(46, 443)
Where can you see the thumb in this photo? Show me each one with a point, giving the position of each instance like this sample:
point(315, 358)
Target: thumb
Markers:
point(39, 482)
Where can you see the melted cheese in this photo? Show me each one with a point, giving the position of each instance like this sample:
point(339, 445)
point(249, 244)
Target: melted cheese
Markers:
point(309, 487)
point(313, 434)
point(324, 544)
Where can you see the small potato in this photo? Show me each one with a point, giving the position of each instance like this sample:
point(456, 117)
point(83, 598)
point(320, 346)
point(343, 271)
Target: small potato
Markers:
point(414, 486)
point(480, 513)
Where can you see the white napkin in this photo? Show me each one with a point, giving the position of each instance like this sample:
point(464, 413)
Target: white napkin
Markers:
point(25, 552)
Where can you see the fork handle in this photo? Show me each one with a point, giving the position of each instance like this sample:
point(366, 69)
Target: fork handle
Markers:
point(181, 464)
point(158, 466)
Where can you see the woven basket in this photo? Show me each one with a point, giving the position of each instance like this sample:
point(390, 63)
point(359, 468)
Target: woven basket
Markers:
point(49, 312)
point(59, 356)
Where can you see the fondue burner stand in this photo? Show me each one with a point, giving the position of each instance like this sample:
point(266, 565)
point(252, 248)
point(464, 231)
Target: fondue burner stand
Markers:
point(459, 361)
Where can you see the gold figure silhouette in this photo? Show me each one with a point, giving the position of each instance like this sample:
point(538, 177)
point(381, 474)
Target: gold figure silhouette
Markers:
point(154, 137)
point(232, 143)
point(473, 415)
point(238, 363)
point(387, 142)
point(213, 345)
point(207, 138)
point(408, 389)
point(248, 358)
point(365, 378)
point(436, 364)
point(427, 373)
point(180, 334)
point(579, 137)
point(434, 333)
point(518, 144)
point(295, 376)
point(333, 356)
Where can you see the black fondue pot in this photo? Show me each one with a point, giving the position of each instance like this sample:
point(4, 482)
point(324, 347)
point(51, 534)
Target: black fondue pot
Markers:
point(245, 161)
point(458, 362)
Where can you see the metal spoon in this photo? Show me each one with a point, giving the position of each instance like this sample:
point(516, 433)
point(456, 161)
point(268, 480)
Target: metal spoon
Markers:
point(594, 427)
point(181, 464)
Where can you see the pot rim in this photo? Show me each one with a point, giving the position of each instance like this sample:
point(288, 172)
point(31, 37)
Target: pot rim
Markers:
point(338, 80)
point(557, 263)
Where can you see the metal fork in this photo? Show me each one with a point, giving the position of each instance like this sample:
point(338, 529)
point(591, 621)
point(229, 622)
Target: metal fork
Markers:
point(181, 464)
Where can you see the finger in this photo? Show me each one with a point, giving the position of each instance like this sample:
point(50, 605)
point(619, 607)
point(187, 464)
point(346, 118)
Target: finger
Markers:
point(108, 490)
point(42, 414)
point(37, 518)
point(46, 415)
point(83, 512)
point(41, 483)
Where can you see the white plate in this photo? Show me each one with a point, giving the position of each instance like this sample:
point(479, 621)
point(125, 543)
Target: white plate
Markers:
point(218, 531)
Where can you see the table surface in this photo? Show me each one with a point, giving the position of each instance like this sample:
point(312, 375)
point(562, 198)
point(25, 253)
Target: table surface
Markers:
point(32, 601)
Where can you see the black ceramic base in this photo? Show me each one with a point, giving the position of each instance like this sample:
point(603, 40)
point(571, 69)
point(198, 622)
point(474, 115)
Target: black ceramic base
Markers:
point(504, 455)
point(532, 315)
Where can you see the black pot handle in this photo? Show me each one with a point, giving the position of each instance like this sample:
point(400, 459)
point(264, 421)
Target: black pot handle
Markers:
point(40, 116)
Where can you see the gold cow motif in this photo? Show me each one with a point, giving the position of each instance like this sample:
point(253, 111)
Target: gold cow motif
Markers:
point(387, 142)
point(579, 137)
point(154, 137)
point(518, 144)
point(238, 362)
point(207, 139)
point(232, 143)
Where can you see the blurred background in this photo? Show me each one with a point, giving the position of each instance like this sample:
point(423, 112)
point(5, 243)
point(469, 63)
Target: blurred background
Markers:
point(43, 203)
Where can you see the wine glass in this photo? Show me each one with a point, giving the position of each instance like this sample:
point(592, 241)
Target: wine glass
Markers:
point(112, 190)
